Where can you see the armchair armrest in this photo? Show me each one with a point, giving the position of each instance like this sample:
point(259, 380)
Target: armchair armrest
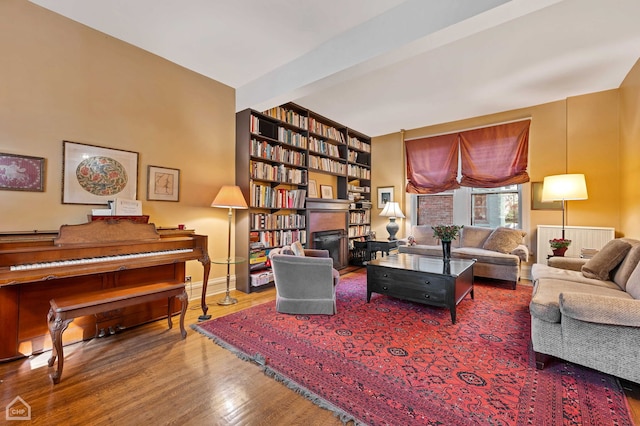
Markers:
point(522, 252)
point(601, 309)
point(570, 263)
point(316, 252)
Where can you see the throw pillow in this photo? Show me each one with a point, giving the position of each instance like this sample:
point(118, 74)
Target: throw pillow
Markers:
point(504, 240)
point(297, 249)
point(605, 260)
point(633, 283)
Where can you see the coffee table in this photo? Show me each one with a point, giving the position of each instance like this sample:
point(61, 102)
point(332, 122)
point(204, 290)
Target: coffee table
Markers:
point(422, 279)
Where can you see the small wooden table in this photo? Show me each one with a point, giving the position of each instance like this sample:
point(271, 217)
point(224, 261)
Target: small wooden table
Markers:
point(364, 251)
point(422, 279)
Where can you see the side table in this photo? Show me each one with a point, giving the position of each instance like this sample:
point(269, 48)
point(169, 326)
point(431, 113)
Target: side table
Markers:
point(364, 251)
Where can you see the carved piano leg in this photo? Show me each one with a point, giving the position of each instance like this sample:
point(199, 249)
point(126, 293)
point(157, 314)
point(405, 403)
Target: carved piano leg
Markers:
point(184, 301)
point(206, 264)
point(57, 326)
point(169, 311)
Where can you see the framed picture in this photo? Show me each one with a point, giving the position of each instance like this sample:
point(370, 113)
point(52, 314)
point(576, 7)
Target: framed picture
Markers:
point(163, 184)
point(385, 194)
point(21, 173)
point(327, 191)
point(95, 175)
point(313, 189)
point(536, 199)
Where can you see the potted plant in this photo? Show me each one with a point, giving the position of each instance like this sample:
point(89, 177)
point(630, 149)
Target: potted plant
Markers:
point(559, 246)
point(446, 234)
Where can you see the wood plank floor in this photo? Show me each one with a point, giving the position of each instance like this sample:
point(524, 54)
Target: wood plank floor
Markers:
point(148, 375)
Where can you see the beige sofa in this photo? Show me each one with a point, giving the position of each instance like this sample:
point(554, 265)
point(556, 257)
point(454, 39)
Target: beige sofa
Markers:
point(588, 312)
point(499, 252)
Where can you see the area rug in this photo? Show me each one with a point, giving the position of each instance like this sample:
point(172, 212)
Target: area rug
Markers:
point(391, 362)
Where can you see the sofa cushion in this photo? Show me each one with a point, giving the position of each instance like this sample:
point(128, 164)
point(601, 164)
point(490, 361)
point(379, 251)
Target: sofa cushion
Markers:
point(297, 248)
point(606, 259)
point(540, 270)
point(633, 283)
point(504, 240)
point(474, 236)
point(423, 235)
point(628, 265)
point(486, 256)
point(545, 302)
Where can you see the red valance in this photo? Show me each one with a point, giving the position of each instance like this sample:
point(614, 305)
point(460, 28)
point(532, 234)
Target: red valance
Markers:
point(432, 164)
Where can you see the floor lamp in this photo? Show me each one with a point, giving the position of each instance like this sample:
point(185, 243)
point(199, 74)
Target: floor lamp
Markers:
point(229, 197)
point(564, 188)
point(392, 211)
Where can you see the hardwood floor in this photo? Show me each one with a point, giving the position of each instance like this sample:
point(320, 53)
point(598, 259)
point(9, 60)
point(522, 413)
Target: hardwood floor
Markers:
point(148, 375)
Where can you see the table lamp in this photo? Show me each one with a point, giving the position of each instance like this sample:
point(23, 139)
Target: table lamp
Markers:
point(392, 211)
point(563, 188)
point(229, 197)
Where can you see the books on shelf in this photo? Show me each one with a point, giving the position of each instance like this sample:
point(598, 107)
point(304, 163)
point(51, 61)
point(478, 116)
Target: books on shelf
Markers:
point(276, 198)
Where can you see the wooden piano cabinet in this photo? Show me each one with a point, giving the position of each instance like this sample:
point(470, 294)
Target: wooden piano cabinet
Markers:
point(24, 308)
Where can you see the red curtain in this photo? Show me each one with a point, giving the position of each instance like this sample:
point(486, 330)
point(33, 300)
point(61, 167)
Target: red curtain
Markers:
point(432, 164)
point(495, 156)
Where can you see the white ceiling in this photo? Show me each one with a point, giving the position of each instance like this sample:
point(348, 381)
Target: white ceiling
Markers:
point(379, 66)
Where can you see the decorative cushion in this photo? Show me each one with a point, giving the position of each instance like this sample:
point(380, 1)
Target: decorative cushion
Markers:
point(297, 249)
point(622, 273)
point(605, 260)
point(504, 240)
point(633, 283)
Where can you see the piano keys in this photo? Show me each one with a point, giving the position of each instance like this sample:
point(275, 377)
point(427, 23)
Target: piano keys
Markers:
point(36, 267)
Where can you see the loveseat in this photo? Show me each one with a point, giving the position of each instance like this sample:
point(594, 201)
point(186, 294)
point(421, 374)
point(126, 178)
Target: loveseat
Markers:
point(588, 311)
point(499, 252)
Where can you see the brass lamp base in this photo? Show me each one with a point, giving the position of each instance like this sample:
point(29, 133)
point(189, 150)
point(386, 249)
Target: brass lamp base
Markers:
point(228, 300)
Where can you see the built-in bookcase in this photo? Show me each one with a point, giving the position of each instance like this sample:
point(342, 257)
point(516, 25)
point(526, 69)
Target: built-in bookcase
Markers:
point(276, 153)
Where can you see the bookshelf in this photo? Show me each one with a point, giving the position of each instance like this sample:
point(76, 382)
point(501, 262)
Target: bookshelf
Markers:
point(277, 152)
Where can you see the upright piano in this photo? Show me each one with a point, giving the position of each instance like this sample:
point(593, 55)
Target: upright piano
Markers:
point(39, 266)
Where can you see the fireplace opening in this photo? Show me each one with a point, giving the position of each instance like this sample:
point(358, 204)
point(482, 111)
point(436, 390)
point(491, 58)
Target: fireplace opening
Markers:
point(334, 242)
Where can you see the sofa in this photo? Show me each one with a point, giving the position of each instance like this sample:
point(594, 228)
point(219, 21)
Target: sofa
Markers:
point(499, 252)
point(305, 280)
point(587, 311)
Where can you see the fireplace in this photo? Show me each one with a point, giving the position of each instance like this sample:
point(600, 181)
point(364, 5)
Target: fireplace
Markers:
point(333, 241)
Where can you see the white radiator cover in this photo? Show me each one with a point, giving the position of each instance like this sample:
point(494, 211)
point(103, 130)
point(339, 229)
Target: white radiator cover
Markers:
point(581, 237)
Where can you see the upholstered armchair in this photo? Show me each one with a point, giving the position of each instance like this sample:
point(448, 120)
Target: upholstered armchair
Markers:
point(306, 282)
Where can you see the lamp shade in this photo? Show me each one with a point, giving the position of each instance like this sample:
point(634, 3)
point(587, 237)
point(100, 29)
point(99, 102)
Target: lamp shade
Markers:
point(564, 187)
point(230, 196)
point(392, 209)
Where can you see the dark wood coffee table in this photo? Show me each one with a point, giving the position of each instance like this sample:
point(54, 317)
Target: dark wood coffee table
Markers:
point(423, 279)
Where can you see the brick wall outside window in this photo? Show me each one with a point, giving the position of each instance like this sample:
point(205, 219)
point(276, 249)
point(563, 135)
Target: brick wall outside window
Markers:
point(435, 209)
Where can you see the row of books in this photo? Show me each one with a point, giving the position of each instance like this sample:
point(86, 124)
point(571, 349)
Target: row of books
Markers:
point(327, 165)
point(325, 130)
point(278, 153)
point(362, 216)
point(323, 147)
point(359, 172)
point(358, 144)
point(359, 230)
point(276, 198)
point(358, 157)
point(288, 116)
point(279, 238)
point(263, 221)
point(292, 138)
point(355, 188)
point(280, 173)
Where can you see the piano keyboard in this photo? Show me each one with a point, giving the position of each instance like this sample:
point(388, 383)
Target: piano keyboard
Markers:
point(71, 262)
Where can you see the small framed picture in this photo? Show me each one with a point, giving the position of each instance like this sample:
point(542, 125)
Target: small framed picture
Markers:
point(327, 191)
point(163, 184)
point(313, 189)
point(385, 194)
point(536, 199)
point(21, 173)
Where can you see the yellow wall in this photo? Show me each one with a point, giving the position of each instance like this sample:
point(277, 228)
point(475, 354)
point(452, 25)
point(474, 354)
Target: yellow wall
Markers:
point(60, 80)
point(577, 135)
point(630, 152)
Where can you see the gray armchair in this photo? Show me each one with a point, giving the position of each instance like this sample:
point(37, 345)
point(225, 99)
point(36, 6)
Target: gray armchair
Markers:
point(305, 284)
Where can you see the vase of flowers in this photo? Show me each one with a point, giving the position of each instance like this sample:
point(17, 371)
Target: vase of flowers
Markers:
point(559, 246)
point(446, 234)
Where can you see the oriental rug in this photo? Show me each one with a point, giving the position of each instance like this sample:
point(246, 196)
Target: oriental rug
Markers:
point(402, 363)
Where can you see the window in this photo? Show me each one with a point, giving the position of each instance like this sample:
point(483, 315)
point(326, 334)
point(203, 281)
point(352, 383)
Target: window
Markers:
point(486, 207)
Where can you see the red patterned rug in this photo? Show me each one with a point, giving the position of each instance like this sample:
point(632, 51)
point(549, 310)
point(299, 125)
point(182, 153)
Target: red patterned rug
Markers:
point(396, 362)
